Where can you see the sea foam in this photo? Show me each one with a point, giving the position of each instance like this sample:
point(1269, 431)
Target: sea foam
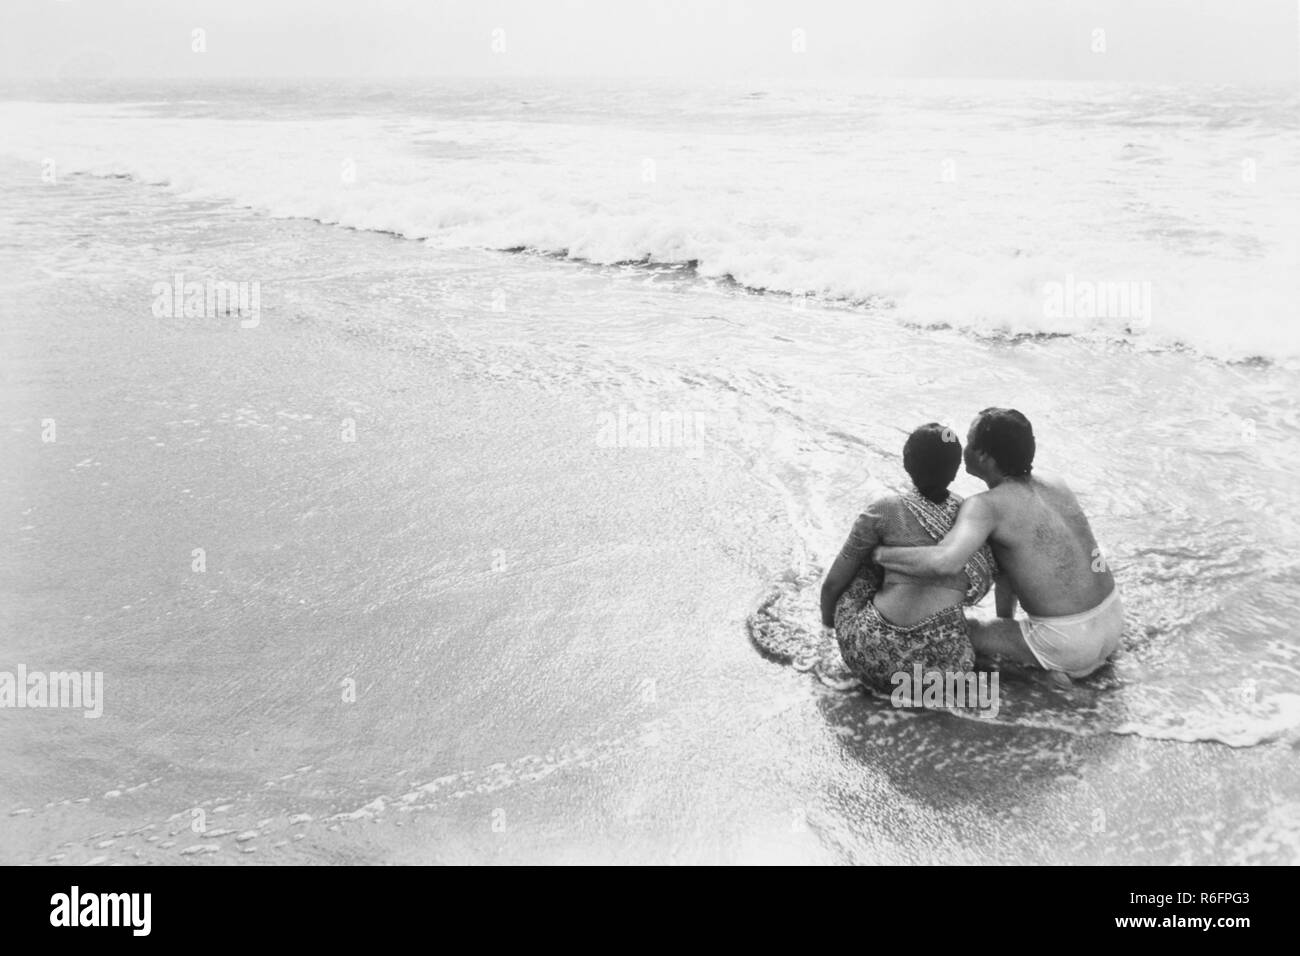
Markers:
point(1030, 225)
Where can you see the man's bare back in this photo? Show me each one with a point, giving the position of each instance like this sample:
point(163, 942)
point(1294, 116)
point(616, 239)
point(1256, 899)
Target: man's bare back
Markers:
point(1045, 550)
point(1044, 545)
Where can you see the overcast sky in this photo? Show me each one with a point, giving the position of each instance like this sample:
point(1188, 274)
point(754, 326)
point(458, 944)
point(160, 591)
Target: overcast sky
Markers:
point(1156, 40)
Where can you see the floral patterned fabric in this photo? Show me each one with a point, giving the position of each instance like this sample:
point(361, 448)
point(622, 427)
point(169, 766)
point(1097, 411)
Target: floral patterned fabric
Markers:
point(875, 650)
point(937, 520)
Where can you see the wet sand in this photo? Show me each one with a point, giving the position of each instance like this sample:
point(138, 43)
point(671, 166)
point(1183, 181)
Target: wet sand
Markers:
point(546, 636)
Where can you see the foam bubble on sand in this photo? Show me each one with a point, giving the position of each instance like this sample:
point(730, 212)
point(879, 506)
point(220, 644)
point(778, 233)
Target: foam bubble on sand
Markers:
point(1276, 837)
point(369, 811)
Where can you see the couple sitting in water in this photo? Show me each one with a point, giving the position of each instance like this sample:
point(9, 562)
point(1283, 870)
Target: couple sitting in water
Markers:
point(895, 593)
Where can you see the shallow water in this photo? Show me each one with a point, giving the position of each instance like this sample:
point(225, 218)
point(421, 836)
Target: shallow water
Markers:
point(546, 634)
point(1163, 215)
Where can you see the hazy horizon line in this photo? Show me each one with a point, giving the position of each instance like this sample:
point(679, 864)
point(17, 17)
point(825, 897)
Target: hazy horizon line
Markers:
point(676, 79)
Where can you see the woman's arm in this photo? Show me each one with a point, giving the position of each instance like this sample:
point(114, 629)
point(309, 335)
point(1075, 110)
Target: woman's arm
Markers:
point(855, 553)
point(838, 579)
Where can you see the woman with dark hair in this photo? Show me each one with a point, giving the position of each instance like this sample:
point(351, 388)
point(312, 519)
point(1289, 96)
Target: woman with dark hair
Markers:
point(886, 622)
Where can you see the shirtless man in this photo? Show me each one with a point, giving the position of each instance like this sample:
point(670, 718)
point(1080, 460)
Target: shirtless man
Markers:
point(1045, 551)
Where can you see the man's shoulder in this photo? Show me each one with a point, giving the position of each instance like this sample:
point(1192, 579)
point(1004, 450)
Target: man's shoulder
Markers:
point(981, 499)
point(983, 505)
point(1016, 488)
point(1053, 481)
point(1057, 488)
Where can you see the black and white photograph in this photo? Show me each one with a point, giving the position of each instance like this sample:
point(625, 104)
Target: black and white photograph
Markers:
point(715, 433)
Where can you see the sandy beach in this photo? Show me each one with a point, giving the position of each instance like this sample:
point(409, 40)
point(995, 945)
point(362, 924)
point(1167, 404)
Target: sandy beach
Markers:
point(437, 619)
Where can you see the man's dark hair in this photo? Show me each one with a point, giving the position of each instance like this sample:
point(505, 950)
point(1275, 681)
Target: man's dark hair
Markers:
point(931, 457)
point(1006, 436)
